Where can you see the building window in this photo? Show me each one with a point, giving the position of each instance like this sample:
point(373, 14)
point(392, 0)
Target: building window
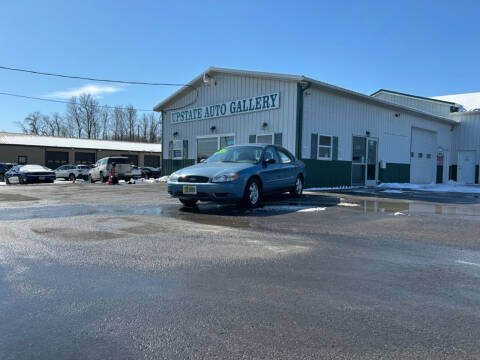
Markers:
point(207, 146)
point(420, 155)
point(265, 139)
point(22, 160)
point(177, 149)
point(324, 147)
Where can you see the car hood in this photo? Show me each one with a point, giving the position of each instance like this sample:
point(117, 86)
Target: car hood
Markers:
point(214, 168)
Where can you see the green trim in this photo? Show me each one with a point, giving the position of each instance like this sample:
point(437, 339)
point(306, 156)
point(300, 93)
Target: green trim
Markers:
point(439, 174)
point(326, 173)
point(299, 120)
point(169, 166)
point(413, 96)
point(395, 173)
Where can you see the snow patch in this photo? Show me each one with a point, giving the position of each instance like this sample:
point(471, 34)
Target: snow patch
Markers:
point(399, 213)
point(348, 204)
point(293, 208)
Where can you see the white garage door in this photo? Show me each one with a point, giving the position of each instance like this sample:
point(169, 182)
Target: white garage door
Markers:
point(422, 157)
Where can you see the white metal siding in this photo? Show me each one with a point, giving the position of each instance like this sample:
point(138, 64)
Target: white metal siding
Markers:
point(231, 87)
point(466, 135)
point(342, 116)
point(432, 107)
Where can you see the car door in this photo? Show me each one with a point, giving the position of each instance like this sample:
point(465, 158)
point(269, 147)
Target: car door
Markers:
point(288, 169)
point(60, 172)
point(270, 173)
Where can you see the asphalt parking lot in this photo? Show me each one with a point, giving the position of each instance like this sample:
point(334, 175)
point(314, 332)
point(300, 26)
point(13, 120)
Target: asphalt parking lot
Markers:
point(92, 271)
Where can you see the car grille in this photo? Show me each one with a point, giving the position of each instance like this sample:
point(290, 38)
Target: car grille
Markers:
point(193, 179)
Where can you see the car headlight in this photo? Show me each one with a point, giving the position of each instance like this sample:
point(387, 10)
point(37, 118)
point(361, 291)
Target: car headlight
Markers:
point(225, 177)
point(173, 178)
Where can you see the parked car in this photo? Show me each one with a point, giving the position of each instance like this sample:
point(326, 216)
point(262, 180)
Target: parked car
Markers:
point(135, 173)
point(101, 170)
point(72, 172)
point(26, 174)
point(4, 167)
point(150, 172)
point(239, 173)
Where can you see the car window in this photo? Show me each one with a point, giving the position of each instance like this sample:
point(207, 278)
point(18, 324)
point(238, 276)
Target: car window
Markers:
point(284, 157)
point(270, 153)
point(240, 154)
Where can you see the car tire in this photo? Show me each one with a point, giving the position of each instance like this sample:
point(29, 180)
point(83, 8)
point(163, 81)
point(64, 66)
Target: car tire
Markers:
point(298, 187)
point(71, 177)
point(102, 178)
point(7, 181)
point(189, 202)
point(253, 194)
point(90, 179)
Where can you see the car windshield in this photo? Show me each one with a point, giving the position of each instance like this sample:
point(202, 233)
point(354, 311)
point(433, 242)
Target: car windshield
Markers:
point(118, 160)
point(237, 154)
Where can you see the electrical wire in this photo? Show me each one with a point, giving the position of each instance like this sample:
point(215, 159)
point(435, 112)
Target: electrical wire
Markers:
point(65, 102)
point(100, 80)
point(91, 78)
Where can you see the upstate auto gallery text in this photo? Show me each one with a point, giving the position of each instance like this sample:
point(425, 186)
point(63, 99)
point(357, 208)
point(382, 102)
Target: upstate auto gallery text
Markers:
point(256, 103)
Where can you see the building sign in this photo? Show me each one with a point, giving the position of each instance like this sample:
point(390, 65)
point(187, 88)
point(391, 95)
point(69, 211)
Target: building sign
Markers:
point(233, 107)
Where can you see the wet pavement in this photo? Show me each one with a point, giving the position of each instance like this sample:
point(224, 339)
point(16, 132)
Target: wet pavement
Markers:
point(124, 272)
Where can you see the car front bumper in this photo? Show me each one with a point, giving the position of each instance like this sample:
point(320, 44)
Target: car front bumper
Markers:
point(229, 191)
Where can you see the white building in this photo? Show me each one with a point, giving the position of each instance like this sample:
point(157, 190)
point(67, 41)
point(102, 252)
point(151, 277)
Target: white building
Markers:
point(344, 137)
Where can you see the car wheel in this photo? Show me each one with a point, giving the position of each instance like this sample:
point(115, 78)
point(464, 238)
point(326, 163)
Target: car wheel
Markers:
point(71, 177)
point(253, 194)
point(189, 202)
point(90, 179)
point(102, 178)
point(7, 181)
point(298, 188)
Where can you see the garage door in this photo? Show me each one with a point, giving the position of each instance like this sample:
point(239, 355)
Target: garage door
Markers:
point(423, 153)
point(54, 159)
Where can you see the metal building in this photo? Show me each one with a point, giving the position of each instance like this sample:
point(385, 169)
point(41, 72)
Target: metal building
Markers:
point(344, 137)
point(56, 151)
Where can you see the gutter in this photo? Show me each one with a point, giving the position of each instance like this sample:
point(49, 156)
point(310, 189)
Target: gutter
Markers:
point(299, 118)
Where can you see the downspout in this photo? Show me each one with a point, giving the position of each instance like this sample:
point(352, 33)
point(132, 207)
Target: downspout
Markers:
point(301, 88)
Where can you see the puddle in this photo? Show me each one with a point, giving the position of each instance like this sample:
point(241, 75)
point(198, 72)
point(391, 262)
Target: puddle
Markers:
point(411, 209)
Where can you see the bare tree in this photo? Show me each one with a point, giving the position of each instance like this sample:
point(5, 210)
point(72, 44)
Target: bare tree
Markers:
point(154, 128)
point(118, 123)
point(32, 123)
point(89, 110)
point(105, 123)
point(46, 126)
point(57, 124)
point(131, 119)
point(74, 116)
point(144, 128)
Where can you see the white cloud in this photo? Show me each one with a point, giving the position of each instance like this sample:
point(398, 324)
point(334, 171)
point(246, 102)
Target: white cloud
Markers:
point(95, 90)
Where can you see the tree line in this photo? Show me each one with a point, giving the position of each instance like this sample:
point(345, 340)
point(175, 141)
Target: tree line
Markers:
point(85, 118)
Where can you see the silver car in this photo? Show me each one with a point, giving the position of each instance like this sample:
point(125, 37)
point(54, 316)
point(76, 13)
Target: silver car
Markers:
point(103, 168)
point(72, 172)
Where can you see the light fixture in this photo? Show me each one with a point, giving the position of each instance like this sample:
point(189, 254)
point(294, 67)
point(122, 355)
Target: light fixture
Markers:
point(367, 133)
point(264, 125)
point(175, 134)
point(213, 128)
point(397, 114)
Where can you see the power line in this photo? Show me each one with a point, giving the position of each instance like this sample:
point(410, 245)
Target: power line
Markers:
point(63, 101)
point(92, 78)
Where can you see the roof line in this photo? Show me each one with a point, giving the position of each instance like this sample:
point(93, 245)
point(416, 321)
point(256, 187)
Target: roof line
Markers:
point(6, 133)
point(413, 96)
point(298, 78)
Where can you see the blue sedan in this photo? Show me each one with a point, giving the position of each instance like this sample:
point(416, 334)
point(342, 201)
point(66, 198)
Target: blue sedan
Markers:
point(239, 173)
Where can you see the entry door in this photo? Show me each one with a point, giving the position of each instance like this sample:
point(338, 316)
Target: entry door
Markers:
point(364, 161)
point(372, 151)
point(466, 167)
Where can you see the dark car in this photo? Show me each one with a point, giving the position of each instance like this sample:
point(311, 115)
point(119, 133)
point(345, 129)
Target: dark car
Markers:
point(239, 173)
point(27, 174)
point(4, 167)
point(150, 172)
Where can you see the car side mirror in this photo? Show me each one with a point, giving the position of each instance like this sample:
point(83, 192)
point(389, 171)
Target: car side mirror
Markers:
point(269, 161)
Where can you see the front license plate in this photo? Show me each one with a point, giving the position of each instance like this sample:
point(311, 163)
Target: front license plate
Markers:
point(187, 189)
point(41, 177)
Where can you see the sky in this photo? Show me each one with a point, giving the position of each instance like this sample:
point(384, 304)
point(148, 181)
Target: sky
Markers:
point(427, 48)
